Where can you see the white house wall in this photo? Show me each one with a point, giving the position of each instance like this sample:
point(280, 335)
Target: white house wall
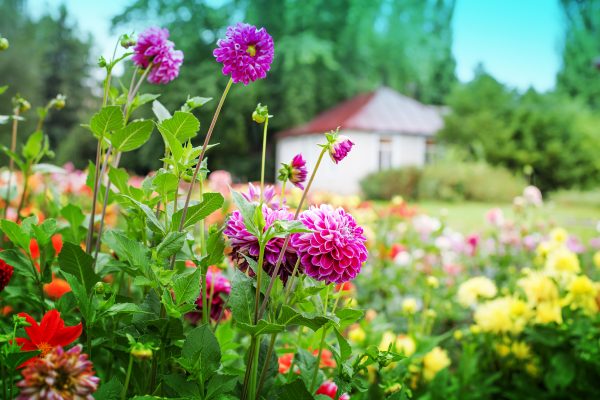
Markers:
point(344, 178)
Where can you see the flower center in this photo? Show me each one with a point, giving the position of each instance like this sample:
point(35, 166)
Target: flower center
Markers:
point(251, 50)
point(44, 348)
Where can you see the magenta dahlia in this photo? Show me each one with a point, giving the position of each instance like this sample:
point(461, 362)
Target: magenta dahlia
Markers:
point(59, 375)
point(335, 251)
point(153, 48)
point(218, 287)
point(243, 243)
point(269, 198)
point(339, 149)
point(295, 172)
point(246, 53)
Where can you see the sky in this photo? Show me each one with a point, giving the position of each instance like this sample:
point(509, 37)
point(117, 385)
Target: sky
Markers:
point(517, 41)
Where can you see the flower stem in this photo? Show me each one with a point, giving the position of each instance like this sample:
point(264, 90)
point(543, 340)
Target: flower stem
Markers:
point(259, 268)
point(323, 335)
point(23, 194)
point(287, 238)
point(201, 157)
point(11, 162)
point(254, 368)
point(127, 378)
point(262, 164)
point(263, 374)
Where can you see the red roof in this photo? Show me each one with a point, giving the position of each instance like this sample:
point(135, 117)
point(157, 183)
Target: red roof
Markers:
point(383, 110)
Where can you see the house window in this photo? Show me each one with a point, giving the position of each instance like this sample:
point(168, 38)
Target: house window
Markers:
point(430, 151)
point(385, 153)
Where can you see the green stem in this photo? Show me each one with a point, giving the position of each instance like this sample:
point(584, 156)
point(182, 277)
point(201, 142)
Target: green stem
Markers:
point(24, 194)
point(254, 368)
point(287, 239)
point(90, 233)
point(127, 378)
point(263, 161)
point(323, 335)
point(263, 374)
point(259, 268)
point(247, 374)
point(11, 162)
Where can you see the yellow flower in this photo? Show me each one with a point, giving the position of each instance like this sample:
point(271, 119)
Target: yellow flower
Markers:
point(405, 345)
point(351, 303)
point(475, 329)
point(433, 282)
point(532, 369)
point(409, 306)
point(538, 288)
point(356, 334)
point(502, 349)
point(548, 312)
point(458, 335)
point(387, 340)
point(435, 361)
point(473, 289)
point(559, 235)
point(597, 259)
point(502, 315)
point(562, 260)
point(543, 249)
point(521, 350)
point(582, 294)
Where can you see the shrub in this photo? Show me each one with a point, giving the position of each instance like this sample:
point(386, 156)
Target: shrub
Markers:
point(384, 185)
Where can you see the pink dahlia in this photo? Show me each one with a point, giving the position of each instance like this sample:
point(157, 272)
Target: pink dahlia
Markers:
point(154, 47)
point(295, 172)
point(329, 389)
point(253, 195)
point(246, 244)
point(218, 286)
point(59, 375)
point(246, 53)
point(335, 251)
point(339, 148)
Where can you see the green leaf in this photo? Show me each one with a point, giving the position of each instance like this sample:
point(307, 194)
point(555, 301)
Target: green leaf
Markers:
point(211, 202)
point(75, 218)
point(73, 260)
point(152, 220)
point(133, 136)
point(295, 390)
point(160, 111)
point(242, 298)
point(348, 316)
point(109, 118)
point(165, 183)
point(290, 317)
point(173, 144)
point(19, 261)
point(33, 146)
point(130, 250)
point(345, 350)
point(82, 296)
point(215, 245)
point(201, 348)
point(109, 391)
point(187, 287)
point(261, 328)
point(247, 210)
point(182, 386)
point(171, 244)
point(44, 231)
point(561, 371)
point(3, 89)
point(182, 125)
point(15, 234)
point(220, 385)
point(194, 102)
point(13, 360)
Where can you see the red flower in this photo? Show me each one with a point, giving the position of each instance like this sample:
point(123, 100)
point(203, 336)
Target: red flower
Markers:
point(57, 243)
point(57, 288)
point(34, 249)
point(6, 272)
point(329, 389)
point(50, 333)
point(327, 360)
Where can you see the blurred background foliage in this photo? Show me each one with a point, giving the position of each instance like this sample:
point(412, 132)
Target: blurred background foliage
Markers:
point(326, 51)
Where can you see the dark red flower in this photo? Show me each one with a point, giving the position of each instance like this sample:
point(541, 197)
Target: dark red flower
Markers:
point(6, 272)
point(50, 333)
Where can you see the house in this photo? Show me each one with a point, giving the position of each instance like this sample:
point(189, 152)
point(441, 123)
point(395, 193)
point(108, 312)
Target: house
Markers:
point(389, 130)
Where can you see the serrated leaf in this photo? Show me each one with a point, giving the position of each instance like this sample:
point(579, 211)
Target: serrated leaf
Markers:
point(173, 144)
point(165, 182)
point(73, 260)
point(242, 298)
point(133, 136)
point(182, 125)
point(127, 249)
point(295, 390)
point(194, 102)
point(201, 348)
point(15, 234)
point(291, 317)
point(108, 119)
point(152, 220)
point(187, 287)
point(211, 202)
point(109, 391)
point(160, 111)
point(19, 261)
point(247, 210)
point(171, 244)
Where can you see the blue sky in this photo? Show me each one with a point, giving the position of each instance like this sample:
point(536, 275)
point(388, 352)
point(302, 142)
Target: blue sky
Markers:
point(517, 41)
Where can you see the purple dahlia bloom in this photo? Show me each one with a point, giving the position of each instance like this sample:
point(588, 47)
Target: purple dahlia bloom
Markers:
point(218, 287)
point(253, 195)
point(246, 53)
point(59, 375)
point(154, 47)
point(335, 251)
point(339, 148)
point(243, 243)
point(298, 171)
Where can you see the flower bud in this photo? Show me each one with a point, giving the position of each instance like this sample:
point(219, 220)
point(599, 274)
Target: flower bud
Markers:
point(141, 352)
point(409, 306)
point(261, 114)
point(99, 288)
point(59, 102)
point(338, 145)
point(433, 282)
point(102, 62)
point(3, 44)
point(127, 41)
point(20, 104)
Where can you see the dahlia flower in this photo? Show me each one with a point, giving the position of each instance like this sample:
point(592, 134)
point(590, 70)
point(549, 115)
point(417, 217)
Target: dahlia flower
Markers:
point(253, 195)
point(217, 286)
point(474, 289)
point(329, 389)
point(246, 53)
point(435, 361)
point(295, 172)
point(335, 251)
point(6, 272)
point(340, 148)
point(154, 49)
point(246, 244)
point(59, 375)
point(49, 334)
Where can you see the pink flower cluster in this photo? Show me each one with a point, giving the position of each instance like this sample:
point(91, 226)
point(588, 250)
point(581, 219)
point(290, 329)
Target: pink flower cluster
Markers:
point(217, 287)
point(154, 49)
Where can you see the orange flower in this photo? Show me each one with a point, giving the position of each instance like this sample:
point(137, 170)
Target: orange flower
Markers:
point(34, 249)
point(7, 310)
point(57, 288)
point(285, 363)
point(57, 243)
point(327, 360)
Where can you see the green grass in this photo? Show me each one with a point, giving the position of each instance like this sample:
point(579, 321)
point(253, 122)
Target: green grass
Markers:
point(578, 219)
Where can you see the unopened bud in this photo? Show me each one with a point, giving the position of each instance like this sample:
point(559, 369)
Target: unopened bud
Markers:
point(3, 44)
point(261, 114)
point(127, 41)
point(102, 62)
point(141, 353)
point(60, 101)
point(20, 104)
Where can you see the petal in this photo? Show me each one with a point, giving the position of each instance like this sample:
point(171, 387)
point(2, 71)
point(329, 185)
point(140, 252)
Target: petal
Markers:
point(66, 335)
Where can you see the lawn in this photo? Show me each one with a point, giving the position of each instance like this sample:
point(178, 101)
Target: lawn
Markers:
point(579, 219)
